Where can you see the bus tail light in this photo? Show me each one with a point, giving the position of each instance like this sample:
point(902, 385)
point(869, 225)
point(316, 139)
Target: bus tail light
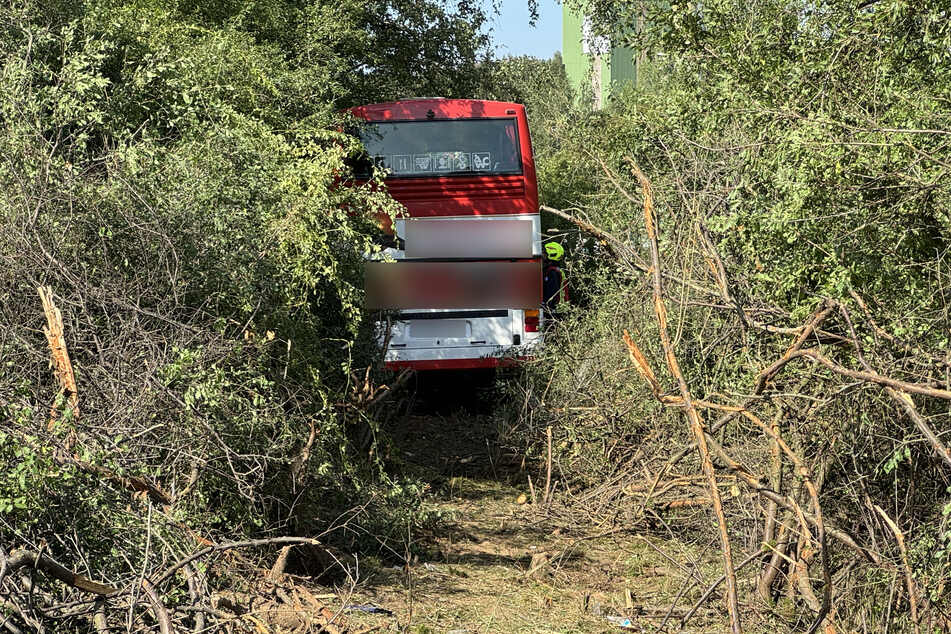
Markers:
point(531, 321)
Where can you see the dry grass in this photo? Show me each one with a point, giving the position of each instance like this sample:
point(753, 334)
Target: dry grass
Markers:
point(501, 564)
point(478, 577)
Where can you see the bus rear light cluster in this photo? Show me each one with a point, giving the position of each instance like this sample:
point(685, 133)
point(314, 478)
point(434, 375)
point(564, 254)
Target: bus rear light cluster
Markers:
point(531, 321)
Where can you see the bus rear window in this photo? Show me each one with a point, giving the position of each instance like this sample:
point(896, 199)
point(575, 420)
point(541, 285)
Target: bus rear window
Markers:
point(441, 148)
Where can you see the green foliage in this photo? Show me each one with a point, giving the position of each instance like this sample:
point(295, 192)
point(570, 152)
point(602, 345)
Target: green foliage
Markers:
point(23, 483)
point(175, 171)
point(810, 141)
point(542, 86)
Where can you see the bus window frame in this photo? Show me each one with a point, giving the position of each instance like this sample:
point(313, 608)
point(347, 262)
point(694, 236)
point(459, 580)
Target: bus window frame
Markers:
point(436, 175)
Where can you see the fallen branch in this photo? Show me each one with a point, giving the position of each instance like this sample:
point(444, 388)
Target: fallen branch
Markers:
point(39, 561)
point(130, 483)
point(803, 471)
point(390, 389)
point(907, 347)
point(803, 333)
point(875, 377)
point(622, 250)
point(719, 272)
point(746, 476)
point(194, 593)
point(547, 497)
point(300, 460)
point(770, 571)
point(769, 373)
point(158, 608)
point(909, 578)
point(613, 244)
point(714, 586)
point(753, 481)
point(693, 416)
point(213, 548)
point(63, 371)
point(902, 398)
point(908, 404)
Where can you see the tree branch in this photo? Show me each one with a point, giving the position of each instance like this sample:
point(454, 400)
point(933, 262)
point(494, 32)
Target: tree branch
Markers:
point(693, 416)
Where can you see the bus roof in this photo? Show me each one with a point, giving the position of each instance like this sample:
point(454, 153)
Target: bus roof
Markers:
point(413, 109)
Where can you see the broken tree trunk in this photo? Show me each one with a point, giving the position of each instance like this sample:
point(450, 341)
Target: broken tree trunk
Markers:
point(59, 356)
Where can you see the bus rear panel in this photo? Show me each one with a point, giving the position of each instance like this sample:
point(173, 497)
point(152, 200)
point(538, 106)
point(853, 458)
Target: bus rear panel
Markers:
point(462, 287)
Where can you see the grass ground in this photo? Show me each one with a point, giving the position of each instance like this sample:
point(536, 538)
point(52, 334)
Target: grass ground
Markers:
point(501, 567)
point(502, 564)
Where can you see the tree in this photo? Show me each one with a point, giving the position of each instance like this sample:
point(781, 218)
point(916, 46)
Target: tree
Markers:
point(172, 171)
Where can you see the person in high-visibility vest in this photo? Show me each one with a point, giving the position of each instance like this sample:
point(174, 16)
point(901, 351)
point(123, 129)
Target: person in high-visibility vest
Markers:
point(553, 279)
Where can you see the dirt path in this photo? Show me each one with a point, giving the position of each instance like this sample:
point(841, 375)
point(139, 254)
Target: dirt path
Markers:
point(499, 564)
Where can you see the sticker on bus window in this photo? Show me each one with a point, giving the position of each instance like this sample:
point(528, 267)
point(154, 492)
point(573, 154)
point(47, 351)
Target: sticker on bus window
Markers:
point(461, 162)
point(443, 161)
point(481, 160)
point(423, 162)
point(402, 163)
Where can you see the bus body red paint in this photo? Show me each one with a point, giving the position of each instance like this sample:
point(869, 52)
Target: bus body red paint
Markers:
point(495, 179)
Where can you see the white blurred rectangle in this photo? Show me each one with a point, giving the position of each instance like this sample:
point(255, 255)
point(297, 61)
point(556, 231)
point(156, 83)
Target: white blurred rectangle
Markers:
point(469, 238)
point(439, 329)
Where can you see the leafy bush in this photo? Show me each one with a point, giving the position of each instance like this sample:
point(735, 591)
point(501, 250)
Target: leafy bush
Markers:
point(807, 143)
point(175, 174)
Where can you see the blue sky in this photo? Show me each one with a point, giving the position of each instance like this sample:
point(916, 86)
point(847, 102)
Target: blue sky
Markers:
point(514, 36)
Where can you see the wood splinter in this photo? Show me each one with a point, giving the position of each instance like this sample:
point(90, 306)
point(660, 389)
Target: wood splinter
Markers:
point(59, 356)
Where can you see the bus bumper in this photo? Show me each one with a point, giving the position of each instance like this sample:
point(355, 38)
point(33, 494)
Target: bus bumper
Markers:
point(453, 358)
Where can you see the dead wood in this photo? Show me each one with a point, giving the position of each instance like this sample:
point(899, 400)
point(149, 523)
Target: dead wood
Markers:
point(276, 607)
point(775, 480)
point(39, 561)
point(766, 375)
point(195, 593)
point(904, 399)
point(614, 246)
point(887, 336)
point(913, 598)
point(746, 476)
point(716, 584)
point(692, 414)
point(10, 608)
point(63, 371)
point(764, 584)
point(547, 497)
point(158, 608)
point(59, 356)
point(874, 377)
point(755, 482)
point(804, 472)
point(213, 548)
point(280, 564)
point(134, 484)
point(299, 463)
point(715, 262)
point(769, 373)
point(908, 404)
point(387, 391)
point(99, 618)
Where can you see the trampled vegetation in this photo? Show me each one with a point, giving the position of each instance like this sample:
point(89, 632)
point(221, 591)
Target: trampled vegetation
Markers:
point(170, 187)
point(791, 160)
point(170, 171)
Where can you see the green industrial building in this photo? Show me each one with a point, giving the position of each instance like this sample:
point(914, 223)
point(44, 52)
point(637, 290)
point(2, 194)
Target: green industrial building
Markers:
point(594, 67)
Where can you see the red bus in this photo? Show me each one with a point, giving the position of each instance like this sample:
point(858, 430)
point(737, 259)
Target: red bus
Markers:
point(462, 282)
